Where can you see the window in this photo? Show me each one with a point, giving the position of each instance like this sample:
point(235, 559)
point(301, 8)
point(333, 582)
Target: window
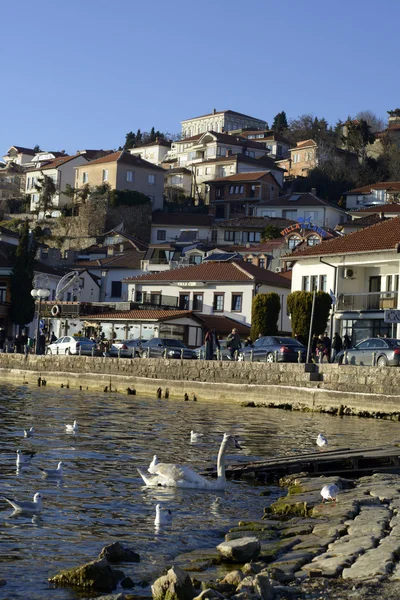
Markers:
point(322, 283)
point(3, 292)
point(261, 263)
point(218, 304)
point(296, 158)
point(199, 171)
point(251, 236)
point(396, 283)
point(289, 214)
point(28, 183)
point(161, 235)
point(314, 283)
point(130, 176)
point(389, 280)
point(208, 170)
point(85, 177)
point(236, 302)
point(249, 260)
point(151, 179)
point(311, 214)
point(198, 302)
point(219, 193)
point(268, 213)
point(305, 283)
point(116, 289)
point(105, 175)
point(184, 301)
point(231, 189)
point(293, 241)
point(279, 151)
point(313, 240)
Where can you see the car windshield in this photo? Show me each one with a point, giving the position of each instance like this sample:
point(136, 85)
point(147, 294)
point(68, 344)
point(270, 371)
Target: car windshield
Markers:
point(174, 343)
point(286, 341)
point(132, 342)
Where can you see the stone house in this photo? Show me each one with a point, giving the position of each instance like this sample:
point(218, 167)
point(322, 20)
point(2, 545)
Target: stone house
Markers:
point(220, 121)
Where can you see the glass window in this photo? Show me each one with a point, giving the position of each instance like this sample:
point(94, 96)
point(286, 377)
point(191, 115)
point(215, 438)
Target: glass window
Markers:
point(218, 304)
point(306, 283)
point(105, 175)
point(85, 177)
point(236, 302)
point(313, 240)
point(3, 292)
point(116, 289)
point(151, 179)
point(161, 234)
point(184, 301)
point(130, 176)
point(314, 283)
point(396, 283)
point(322, 283)
point(294, 241)
point(198, 302)
point(389, 280)
point(289, 214)
point(261, 263)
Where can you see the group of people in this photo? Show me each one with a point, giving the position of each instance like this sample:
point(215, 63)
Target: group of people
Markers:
point(323, 347)
point(212, 345)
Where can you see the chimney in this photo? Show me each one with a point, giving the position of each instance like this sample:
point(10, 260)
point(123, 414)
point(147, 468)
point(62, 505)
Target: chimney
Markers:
point(228, 152)
point(214, 111)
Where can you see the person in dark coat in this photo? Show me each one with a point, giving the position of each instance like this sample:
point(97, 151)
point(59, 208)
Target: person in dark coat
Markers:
point(299, 338)
point(209, 345)
point(17, 343)
point(314, 342)
point(336, 346)
point(346, 342)
point(42, 343)
point(327, 344)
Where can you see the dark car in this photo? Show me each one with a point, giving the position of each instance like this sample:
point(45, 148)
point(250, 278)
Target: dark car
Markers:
point(225, 352)
point(381, 352)
point(274, 349)
point(167, 348)
point(125, 349)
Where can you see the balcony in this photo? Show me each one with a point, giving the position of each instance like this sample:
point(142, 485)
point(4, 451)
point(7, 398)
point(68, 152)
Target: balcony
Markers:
point(367, 301)
point(158, 301)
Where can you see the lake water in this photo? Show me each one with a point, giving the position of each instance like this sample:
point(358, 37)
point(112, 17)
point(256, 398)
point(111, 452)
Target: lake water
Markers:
point(101, 498)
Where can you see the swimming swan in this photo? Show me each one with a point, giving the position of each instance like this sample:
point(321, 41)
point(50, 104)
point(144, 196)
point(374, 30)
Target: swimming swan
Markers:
point(169, 475)
point(72, 428)
point(153, 464)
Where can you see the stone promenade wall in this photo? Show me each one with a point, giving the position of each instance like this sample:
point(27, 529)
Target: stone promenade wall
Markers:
point(327, 388)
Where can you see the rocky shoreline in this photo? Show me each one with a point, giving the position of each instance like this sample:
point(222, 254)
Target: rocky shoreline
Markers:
point(300, 548)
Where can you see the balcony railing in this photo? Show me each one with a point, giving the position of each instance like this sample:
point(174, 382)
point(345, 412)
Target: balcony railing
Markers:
point(367, 301)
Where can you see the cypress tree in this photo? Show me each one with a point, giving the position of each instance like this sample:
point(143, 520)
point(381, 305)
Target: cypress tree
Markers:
point(264, 315)
point(22, 303)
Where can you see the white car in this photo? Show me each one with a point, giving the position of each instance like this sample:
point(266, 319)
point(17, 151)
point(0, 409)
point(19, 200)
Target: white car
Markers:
point(72, 345)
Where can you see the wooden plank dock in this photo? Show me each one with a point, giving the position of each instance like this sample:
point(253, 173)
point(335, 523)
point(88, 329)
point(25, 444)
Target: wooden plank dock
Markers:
point(331, 462)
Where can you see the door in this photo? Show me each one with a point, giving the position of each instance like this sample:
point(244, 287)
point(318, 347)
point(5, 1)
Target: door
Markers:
point(374, 288)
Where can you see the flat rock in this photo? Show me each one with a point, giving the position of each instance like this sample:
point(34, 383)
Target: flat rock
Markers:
point(327, 566)
point(233, 578)
point(208, 593)
point(351, 546)
point(292, 561)
point(240, 550)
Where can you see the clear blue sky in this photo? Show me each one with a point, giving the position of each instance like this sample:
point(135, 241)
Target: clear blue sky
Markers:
point(81, 73)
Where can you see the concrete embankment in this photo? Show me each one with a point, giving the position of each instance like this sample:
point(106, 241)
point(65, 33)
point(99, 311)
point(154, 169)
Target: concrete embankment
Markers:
point(336, 389)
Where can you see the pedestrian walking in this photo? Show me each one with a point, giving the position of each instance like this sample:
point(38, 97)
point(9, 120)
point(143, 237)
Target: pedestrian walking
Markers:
point(233, 343)
point(346, 342)
point(337, 345)
point(322, 350)
point(211, 343)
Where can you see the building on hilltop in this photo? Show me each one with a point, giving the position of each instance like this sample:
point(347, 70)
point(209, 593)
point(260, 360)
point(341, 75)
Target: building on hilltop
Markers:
point(153, 152)
point(220, 121)
point(373, 194)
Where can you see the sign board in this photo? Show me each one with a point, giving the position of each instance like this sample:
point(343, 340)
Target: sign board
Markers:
point(302, 224)
point(392, 316)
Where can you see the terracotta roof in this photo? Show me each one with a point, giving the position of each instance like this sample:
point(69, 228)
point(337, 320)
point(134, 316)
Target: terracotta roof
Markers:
point(24, 150)
point(215, 272)
point(141, 315)
point(385, 235)
point(390, 186)
point(222, 324)
point(304, 144)
point(255, 222)
point(250, 176)
point(364, 221)
point(378, 208)
point(221, 112)
point(126, 158)
point(94, 154)
point(182, 219)
point(128, 260)
point(57, 162)
point(299, 199)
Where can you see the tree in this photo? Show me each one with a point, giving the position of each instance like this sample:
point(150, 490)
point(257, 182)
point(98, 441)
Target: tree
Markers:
point(36, 148)
point(22, 304)
point(300, 304)
point(280, 122)
point(127, 198)
point(265, 314)
point(130, 140)
point(270, 232)
point(47, 190)
point(358, 137)
point(375, 123)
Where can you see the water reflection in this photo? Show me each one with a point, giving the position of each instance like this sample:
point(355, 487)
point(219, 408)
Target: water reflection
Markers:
point(101, 497)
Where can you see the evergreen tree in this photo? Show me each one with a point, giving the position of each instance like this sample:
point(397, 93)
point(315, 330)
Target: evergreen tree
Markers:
point(139, 138)
point(358, 137)
point(264, 315)
point(130, 140)
point(270, 232)
point(22, 303)
point(36, 148)
point(47, 189)
point(280, 122)
point(300, 304)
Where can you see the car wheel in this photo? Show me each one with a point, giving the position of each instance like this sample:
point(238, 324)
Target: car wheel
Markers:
point(382, 361)
point(48, 351)
point(67, 351)
point(270, 357)
point(241, 357)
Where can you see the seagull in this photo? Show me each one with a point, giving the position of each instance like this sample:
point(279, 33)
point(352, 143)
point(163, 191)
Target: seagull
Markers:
point(195, 437)
point(163, 516)
point(321, 440)
point(27, 507)
point(53, 472)
point(329, 492)
point(72, 428)
point(153, 464)
point(29, 432)
point(23, 459)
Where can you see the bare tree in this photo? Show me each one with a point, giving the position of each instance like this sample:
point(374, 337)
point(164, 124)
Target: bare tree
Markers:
point(375, 123)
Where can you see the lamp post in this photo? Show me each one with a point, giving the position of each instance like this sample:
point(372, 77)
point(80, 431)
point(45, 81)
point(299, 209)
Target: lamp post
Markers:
point(39, 292)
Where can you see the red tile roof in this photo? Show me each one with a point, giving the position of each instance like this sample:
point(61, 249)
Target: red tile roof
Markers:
point(390, 186)
point(126, 158)
point(215, 272)
point(222, 324)
point(251, 176)
point(128, 260)
point(57, 162)
point(141, 315)
point(182, 219)
point(378, 208)
point(304, 144)
point(298, 199)
point(384, 235)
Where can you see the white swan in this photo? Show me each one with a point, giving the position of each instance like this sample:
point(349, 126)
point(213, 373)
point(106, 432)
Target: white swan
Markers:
point(72, 428)
point(153, 464)
point(321, 440)
point(26, 507)
point(53, 472)
point(195, 437)
point(29, 432)
point(329, 492)
point(169, 475)
point(163, 515)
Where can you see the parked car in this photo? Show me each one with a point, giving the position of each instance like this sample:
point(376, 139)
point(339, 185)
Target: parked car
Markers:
point(274, 348)
point(72, 345)
point(382, 352)
point(224, 351)
point(125, 349)
point(172, 348)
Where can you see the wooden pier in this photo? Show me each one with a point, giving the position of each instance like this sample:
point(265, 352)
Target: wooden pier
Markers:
point(344, 462)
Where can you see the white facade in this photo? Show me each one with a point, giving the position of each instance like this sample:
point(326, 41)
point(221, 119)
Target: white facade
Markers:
point(111, 288)
point(170, 233)
point(154, 154)
point(374, 198)
point(322, 215)
point(219, 122)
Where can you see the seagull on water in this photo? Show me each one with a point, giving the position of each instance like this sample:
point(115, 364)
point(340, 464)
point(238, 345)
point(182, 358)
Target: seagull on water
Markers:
point(29, 432)
point(321, 440)
point(72, 428)
point(52, 473)
point(163, 515)
point(329, 492)
point(153, 464)
point(23, 459)
point(195, 437)
point(26, 507)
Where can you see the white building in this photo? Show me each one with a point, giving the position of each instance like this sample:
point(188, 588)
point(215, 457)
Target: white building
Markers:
point(220, 121)
point(362, 270)
point(375, 194)
point(19, 155)
point(154, 152)
point(169, 227)
point(212, 288)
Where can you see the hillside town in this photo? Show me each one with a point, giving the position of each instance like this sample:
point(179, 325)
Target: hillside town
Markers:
point(174, 236)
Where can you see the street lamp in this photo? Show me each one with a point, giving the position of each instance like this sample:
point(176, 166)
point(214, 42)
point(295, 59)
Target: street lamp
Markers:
point(39, 292)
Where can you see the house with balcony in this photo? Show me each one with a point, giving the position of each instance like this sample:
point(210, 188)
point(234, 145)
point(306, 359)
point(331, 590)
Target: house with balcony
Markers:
point(153, 152)
point(178, 183)
point(235, 195)
point(362, 269)
point(375, 194)
point(307, 154)
point(306, 206)
point(123, 171)
point(62, 171)
point(220, 121)
point(242, 231)
point(211, 288)
point(277, 145)
point(19, 155)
